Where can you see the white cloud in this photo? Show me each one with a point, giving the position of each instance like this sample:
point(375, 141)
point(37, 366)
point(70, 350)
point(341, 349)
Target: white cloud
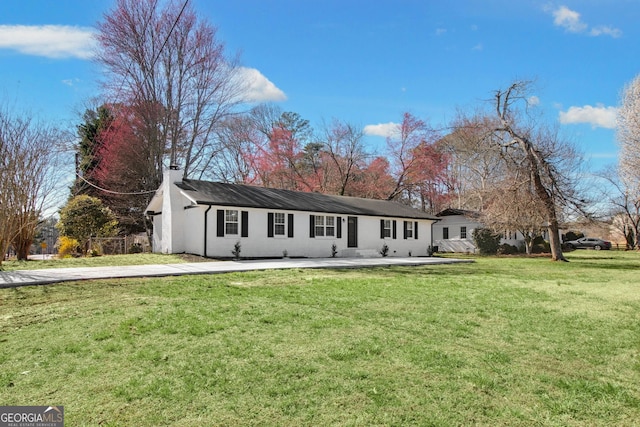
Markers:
point(570, 20)
point(606, 30)
point(386, 130)
point(51, 41)
point(598, 116)
point(533, 100)
point(440, 31)
point(70, 82)
point(478, 47)
point(258, 87)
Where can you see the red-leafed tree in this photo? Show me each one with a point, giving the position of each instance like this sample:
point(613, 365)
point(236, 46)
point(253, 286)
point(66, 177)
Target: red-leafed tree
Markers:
point(123, 170)
point(429, 177)
point(159, 54)
point(417, 165)
point(374, 181)
point(278, 159)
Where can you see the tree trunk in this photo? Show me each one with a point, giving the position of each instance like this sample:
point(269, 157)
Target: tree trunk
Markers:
point(549, 205)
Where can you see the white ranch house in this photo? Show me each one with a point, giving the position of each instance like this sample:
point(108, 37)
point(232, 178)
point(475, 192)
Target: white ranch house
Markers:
point(454, 231)
point(210, 218)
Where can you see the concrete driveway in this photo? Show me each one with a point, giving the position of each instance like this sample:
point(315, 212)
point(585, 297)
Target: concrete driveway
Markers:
point(12, 279)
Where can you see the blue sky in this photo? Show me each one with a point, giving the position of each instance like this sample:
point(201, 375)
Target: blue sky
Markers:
point(365, 62)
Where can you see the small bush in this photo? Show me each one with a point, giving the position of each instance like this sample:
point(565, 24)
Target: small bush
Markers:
point(385, 250)
point(237, 248)
point(334, 250)
point(507, 249)
point(486, 241)
point(541, 248)
point(572, 235)
point(135, 248)
point(67, 247)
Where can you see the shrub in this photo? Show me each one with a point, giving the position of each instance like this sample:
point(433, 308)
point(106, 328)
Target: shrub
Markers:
point(236, 250)
point(572, 235)
point(67, 247)
point(486, 241)
point(507, 249)
point(334, 250)
point(85, 216)
point(385, 250)
point(135, 248)
point(541, 248)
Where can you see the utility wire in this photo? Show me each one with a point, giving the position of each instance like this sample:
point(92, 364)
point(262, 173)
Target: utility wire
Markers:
point(137, 193)
point(153, 63)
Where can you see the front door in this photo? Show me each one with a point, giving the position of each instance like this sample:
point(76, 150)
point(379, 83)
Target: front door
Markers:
point(352, 232)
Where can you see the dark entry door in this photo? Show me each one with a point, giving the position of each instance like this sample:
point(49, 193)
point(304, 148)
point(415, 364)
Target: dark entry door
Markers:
point(352, 232)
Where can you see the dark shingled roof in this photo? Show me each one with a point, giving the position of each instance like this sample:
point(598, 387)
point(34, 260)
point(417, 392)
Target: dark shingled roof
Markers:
point(452, 211)
point(217, 193)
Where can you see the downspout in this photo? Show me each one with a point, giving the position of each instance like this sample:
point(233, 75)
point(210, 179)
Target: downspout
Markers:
point(205, 229)
point(432, 247)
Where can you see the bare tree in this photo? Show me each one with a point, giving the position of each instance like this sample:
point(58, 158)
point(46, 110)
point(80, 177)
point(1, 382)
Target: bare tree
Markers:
point(28, 164)
point(345, 155)
point(240, 141)
point(549, 161)
point(625, 213)
point(174, 71)
point(512, 206)
point(476, 166)
point(629, 164)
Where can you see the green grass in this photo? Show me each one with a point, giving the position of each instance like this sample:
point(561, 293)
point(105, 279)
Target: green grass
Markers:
point(500, 342)
point(101, 261)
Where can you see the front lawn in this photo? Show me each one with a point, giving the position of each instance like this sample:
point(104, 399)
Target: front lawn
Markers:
point(502, 341)
point(100, 261)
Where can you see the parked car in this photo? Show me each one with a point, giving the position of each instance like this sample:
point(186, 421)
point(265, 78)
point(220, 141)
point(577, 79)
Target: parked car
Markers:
point(588, 243)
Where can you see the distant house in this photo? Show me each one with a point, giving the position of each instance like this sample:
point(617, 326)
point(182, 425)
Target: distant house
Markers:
point(211, 218)
point(454, 231)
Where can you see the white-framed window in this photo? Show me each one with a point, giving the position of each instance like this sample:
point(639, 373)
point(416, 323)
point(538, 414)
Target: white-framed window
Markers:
point(463, 232)
point(279, 223)
point(230, 222)
point(386, 228)
point(445, 233)
point(325, 226)
point(409, 227)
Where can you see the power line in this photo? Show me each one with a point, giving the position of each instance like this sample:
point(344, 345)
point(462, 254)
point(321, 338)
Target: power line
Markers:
point(146, 77)
point(137, 193)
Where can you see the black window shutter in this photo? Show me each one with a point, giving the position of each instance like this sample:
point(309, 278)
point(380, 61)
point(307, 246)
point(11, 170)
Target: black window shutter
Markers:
point(312, 226)
point(245, 224)
point(220, 223)
point(415, 230)
point(395, 229)
point(290, 225)
point(405, 229)
point(382, 228)
point(339, 228)
point(270, 224)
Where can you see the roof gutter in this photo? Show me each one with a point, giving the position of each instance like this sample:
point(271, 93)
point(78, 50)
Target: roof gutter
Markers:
point(206, 222)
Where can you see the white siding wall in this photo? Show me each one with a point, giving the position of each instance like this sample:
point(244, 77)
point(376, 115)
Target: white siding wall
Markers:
point(455, 243)
point(258, 244)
